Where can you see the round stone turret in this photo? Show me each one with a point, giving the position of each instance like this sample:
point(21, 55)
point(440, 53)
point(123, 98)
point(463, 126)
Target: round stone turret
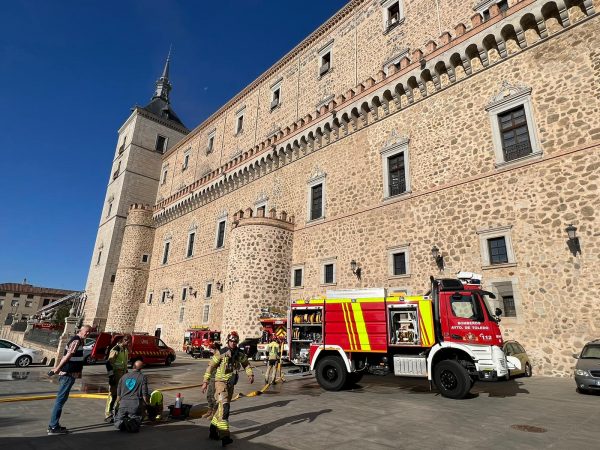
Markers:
point(258, 270)
point(132, 272)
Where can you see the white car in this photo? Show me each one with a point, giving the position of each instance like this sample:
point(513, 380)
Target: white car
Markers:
point(88, 346)
point(11, 353)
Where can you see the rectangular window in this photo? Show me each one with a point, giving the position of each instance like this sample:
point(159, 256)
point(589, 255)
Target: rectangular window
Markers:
point(112, 278)
point(325, 63)
point(16, 295)
point(166, 253)
point(164, 176)
point(508, 303)
point(181, 313)
point(211, 144)
point(316, 202)
point(221, 234)
point(393, 15)
point(190, 247)
point(29, 296)
point(99, 257)
point(497, 250)
point(184, 294)
point(150, 298)
point(206, 313)
point(239, 127)
point(186, 161)
point(396, 174)
point(14, 303)
point(208, 290)
point(109, 209)
point(161, 143)
point(28, 304)
point(399, 263)
point(145, 258)
point(298, 277)
point(514, 134)
point(46, 302)
point(275, 98)
point(163, 297)
point(328, 274)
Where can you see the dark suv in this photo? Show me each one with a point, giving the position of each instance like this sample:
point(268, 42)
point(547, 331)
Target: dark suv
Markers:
point(587, 370)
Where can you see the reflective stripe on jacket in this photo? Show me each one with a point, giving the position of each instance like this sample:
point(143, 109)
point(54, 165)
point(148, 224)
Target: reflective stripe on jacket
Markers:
point(225, 362)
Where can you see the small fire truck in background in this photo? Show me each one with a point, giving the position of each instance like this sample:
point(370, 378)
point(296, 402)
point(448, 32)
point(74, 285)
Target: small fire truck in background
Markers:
point(449, 336)
point(200, 342)
point(272, 327)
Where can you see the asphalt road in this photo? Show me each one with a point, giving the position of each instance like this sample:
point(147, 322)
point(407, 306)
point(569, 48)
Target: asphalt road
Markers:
point(380, 412)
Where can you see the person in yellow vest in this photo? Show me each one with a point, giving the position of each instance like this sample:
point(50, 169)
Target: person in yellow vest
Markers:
point(225, 364)
point(116, 365)
point(272, 359)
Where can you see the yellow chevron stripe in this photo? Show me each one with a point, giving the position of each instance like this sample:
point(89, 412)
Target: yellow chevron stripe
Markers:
point(361, 328)
point(347, 323)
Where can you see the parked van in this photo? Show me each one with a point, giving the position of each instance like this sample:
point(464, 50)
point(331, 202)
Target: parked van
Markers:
point(144, 347)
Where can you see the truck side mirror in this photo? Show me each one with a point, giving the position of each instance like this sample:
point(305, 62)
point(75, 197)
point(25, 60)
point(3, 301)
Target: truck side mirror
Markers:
point(498, 312)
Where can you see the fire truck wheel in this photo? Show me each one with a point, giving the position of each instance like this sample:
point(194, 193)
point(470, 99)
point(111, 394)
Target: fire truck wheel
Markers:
point(452, 379)
point(331, 373)
point(354, 378)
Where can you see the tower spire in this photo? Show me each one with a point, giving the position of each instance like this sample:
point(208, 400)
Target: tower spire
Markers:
point(163, 86)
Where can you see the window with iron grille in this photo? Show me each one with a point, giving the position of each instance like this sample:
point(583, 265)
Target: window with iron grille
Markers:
point(221, 234)
point(509, 309)
point(316, 202)
point(399, 263)
point(165, 259)
point(514, 133)
point(328, 271)
point(298, 277)
point(497, 250)
point(325, 63)
point(396, 174)
point(393, 15)
point(190, 247)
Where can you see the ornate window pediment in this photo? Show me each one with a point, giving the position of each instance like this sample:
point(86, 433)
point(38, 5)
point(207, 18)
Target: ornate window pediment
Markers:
point(316, 175)
point(508, 91)
point(394, 140)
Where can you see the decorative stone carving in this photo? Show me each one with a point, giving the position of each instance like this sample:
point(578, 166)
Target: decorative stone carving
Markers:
point(394, 140)
point(508, 90)
point(316, 174)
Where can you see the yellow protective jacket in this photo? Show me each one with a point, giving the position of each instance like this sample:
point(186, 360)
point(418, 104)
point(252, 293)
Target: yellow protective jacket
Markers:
point(273, 351)
point(225, 363)
point(118, 358)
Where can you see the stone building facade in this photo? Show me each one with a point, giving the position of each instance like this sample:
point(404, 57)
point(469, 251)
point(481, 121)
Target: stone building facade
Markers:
point(23, 300)
point(398, 127)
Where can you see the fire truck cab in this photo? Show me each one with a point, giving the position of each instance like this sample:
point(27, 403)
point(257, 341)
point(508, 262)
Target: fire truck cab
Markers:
point(449, 336)
point(200, 342)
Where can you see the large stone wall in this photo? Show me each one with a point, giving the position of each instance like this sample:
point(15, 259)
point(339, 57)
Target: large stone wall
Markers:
point(258, 272)
point(457, 190)
point(132, 273)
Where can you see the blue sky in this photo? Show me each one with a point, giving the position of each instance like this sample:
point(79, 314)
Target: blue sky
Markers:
point(69, 73)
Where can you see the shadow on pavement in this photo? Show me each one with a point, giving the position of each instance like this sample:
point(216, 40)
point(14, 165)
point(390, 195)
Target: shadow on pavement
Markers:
point(263, 429)
point(278, 404)
point(149, 438)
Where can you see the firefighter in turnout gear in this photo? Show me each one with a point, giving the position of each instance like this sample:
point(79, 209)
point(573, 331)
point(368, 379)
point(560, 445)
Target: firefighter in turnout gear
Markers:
point(116, 365)
point(273, 358)
point(225, 364)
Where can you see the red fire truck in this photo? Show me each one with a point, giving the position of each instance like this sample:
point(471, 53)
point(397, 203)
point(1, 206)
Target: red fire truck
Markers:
point(449, 336)
point(201, 342)
point(272, 327)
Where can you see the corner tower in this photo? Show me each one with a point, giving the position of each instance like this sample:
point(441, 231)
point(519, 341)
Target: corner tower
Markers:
point(134, 177)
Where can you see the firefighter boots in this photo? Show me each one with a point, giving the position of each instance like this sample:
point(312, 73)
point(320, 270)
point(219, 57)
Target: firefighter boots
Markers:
point(213, 433)
point(226, 441)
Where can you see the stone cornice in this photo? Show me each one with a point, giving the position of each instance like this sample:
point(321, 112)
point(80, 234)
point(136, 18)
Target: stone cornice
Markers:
point(148, 115)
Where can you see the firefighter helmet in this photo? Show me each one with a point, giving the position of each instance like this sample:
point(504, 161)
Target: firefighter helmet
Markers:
point(233, 336)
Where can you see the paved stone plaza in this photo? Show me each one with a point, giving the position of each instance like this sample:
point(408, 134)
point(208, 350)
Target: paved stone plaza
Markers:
point(379, 413)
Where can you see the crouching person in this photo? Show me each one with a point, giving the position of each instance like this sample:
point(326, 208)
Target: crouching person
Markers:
point(132, 396)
